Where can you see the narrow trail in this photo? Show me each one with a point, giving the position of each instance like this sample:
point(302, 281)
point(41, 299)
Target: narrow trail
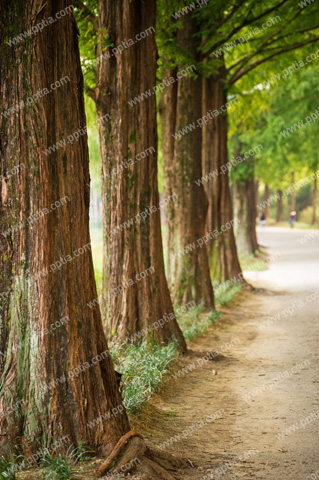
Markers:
point(264, 390)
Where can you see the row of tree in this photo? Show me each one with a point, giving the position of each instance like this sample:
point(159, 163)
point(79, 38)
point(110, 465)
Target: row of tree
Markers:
point(197, 35)
point(33, 298)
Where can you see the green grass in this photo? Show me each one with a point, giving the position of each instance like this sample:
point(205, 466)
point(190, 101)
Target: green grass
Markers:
point(7, 469)
point(253, 262)
point(224, 297)
point(194, 323)
point(63, 468)
point(142, 368)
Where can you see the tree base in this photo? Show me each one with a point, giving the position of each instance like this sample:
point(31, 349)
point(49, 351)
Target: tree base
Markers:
point(131, 453)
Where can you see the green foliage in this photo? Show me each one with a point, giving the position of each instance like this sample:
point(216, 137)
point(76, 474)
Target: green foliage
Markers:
point(274, 110)
point(83, 453)
point(194, 322)
point(224, 297)
point(305, 216)
point(142, 368)
point(88, 41)
point(7, 469)
point(63, 468)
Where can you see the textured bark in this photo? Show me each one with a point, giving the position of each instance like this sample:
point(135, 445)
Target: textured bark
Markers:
point(167, 109)
point(266, 201)
point(136, 248)
point(314, 201)
point(223, 258)
point(245, 211)
point(293, 192)
point(34, 297)
point(188, 271)
point(280, 215)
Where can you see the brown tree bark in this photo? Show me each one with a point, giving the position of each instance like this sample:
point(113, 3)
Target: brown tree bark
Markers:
point(266, 202)
point(188, 265)
point(246, 213)
point(167, 110)
point(36, 291)
point(280, 216)
point(257, 197)
point(132, 306)
point(314, 201)
point(223, 258)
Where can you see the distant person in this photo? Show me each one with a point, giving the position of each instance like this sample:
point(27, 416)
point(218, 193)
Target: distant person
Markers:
point(292, 219)
point(263, 220)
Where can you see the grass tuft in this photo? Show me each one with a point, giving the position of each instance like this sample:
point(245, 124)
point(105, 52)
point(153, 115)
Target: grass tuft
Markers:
point(58, 467)
point(224, 297)
point(193, 325)
point(142, 368)
point(7, 469)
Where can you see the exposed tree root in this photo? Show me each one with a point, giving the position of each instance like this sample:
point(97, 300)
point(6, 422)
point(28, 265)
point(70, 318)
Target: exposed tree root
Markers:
point(247, 286)
point(131, 453)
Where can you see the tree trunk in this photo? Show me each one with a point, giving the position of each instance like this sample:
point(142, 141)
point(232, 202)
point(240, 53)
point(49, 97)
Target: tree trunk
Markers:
point(279, 206)
point(53, 380)
point(293, 192)
point(266, 202)
point(223, 258)
point(314, 201)
point(257, 198)
point(167, 110)
point(188, 265)
point(245, 212)
point(135, 295)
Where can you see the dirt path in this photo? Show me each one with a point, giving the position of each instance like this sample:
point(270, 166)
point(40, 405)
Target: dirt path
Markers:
point(267, 381)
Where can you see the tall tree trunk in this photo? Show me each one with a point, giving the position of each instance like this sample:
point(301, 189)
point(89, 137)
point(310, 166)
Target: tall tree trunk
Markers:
point(188, 264)
point(293, 192)
point(46, 264)
point(279, 206)
point(314, 201)
point(223, 258)
point(257, 197)
point(245, 212)
point(266, 201)
point(167, 110)
point(135, 295)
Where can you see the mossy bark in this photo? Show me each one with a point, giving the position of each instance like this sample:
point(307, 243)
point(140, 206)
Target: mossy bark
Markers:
point(180, 105)
point(34, 411)
point(132, 308)
point(215, 156)
point(246, 213)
